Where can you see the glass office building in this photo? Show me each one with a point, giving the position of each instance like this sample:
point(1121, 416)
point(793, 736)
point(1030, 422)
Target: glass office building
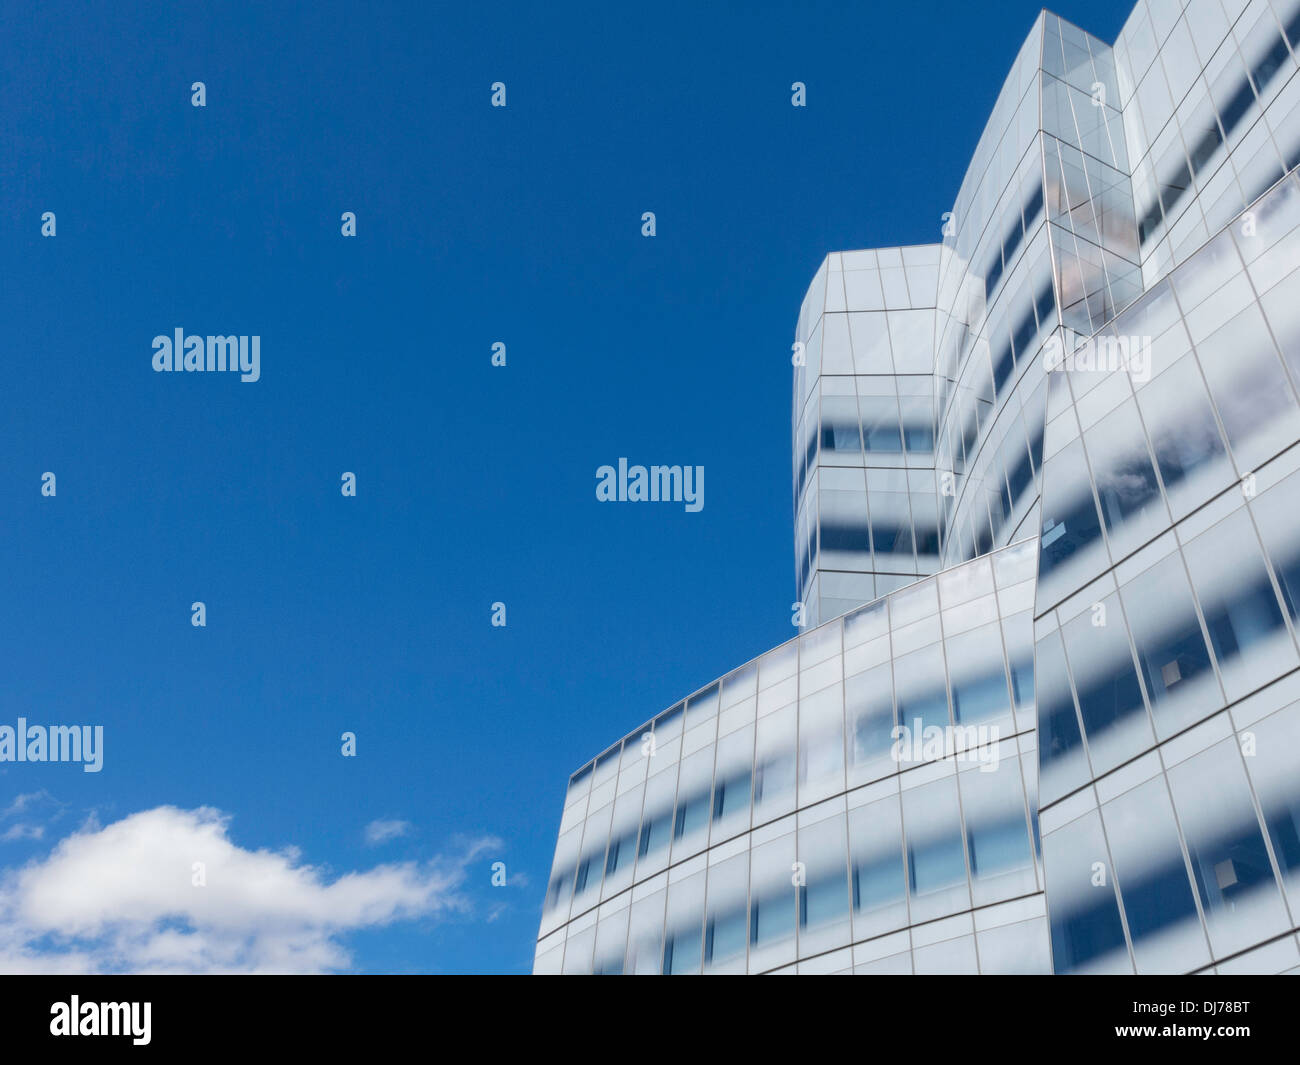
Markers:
point(776, 820)
point(1045, 473)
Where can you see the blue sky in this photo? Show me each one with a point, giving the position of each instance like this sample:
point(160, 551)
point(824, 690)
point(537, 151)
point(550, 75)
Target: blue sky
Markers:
point(475, 484)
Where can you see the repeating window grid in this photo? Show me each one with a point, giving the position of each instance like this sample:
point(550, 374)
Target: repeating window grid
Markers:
point(839, 636)
point(1197, 606)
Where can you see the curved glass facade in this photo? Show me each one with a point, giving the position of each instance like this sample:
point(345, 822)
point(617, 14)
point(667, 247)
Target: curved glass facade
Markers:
point(867, 519)
point(1044, 476)
point(1166, 623)
point(861, 798)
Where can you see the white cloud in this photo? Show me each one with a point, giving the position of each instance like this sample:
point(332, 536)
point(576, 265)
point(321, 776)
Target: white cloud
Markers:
point(22, 802)
point(122, 898)
point(38, 806)
point(382, 831)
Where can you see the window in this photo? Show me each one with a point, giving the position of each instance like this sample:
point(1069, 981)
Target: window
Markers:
point(880, 424)
point(1275, 513)
point(724, 936)
point(1126, 480)
point(692, 814)
point(654, 835)
point(1171, 650)
point(1152, 879)
point(935, 863)
point(621, 852)
point(918, 680)
point(998, 846)
point(731, 796)
point(979, 681)
point(1085, 927)
point(584, 871)
point(771, 918)
point(1060, 747)
point(1105, 681)
point(682, 952)
point(823, 899)
point(936, 858)
point(878, 882)
point(1249, 637)
point(1188, 448)
point(1229, 861)
point(1071, 529)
